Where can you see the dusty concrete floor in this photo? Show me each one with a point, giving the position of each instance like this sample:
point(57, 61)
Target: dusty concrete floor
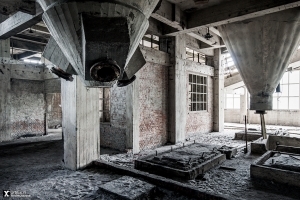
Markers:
point(36, 169)
point(237, 184)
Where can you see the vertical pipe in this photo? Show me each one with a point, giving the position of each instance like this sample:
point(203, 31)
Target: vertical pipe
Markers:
point(246, 149)
point(263, 126)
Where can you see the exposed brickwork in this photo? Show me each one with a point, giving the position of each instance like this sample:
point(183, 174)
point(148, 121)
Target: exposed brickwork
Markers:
point(153, 105)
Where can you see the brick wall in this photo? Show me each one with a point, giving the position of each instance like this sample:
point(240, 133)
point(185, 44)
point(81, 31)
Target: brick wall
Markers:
point(153, 80)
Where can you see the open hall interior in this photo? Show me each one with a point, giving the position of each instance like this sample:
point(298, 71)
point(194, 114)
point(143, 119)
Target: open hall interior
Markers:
point(160, 99)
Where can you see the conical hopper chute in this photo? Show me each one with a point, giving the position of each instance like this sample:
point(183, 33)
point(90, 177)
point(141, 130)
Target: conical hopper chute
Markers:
point(261, 48)
point(98, 38)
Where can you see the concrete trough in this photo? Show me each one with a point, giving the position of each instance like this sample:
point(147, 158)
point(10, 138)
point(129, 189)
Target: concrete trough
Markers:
point(254, 135)
point(278, 167)
point(251, 135)
point(288, 149)
point(259, 146)
point(184, 163)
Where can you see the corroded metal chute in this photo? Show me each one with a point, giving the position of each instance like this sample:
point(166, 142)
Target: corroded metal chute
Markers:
point(89, 33)
point(261, 48)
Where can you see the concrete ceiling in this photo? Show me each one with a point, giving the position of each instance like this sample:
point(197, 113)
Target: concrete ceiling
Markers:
point(192, 5)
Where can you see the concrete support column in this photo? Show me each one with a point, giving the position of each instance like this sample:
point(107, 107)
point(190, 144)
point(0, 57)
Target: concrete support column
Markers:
point(133, 116)
point(81, 126)
point(243, 106)
point(4, 44)
point(4, 88)
point(219, 99)
point(177, 90)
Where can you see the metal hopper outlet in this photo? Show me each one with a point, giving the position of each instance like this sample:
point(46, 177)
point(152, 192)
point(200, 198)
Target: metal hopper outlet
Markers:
point(261, 48)
point(98, 38)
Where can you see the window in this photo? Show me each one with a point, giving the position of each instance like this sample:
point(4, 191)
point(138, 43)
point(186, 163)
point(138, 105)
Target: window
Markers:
point(289, 97)
point(104, 104)
point(197, 92)
point(228, 64)
point(151, 41)
point(195, 56)
point(232, 101)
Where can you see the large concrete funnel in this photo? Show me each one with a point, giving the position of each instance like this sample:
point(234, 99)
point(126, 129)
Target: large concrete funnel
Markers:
point(98, 38)
point(261, 48)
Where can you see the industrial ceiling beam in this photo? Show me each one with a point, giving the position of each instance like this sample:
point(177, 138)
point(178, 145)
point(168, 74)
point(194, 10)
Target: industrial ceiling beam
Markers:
point(39, 29)
point(19, 22)
point(171, 15)
point(233, 11)
point(24, 55)
point(8, 7)
point(26, 46)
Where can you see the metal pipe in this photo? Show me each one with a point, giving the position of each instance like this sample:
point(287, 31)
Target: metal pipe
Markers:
point(246, 149)
point(263, 126)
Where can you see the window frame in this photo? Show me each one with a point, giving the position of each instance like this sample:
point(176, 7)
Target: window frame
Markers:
point(233, 97)
point(277, 96)
point(190, 101)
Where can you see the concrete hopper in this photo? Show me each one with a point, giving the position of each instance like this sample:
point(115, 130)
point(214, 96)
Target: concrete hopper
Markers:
point(261, 48)
point(98, 38)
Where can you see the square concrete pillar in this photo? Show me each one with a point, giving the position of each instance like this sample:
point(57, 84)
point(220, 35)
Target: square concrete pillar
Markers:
point(177, 90)
point(219, 98)
point(133, 116)
point(81, 125)
point(4, 44)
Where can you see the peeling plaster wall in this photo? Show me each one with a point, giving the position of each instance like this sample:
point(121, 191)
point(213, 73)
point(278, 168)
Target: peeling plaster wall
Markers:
point(153, 91)
point(232, 115)
point(273, 117)
point(113, 133)
point(53, 102)
point(200, 121)
point(54, 111)
point(23, 100)
point(277, 117)
point(27, 104)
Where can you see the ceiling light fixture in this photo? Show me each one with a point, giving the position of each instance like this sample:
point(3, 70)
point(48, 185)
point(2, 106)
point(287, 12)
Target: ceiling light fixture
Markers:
point(208, 36)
